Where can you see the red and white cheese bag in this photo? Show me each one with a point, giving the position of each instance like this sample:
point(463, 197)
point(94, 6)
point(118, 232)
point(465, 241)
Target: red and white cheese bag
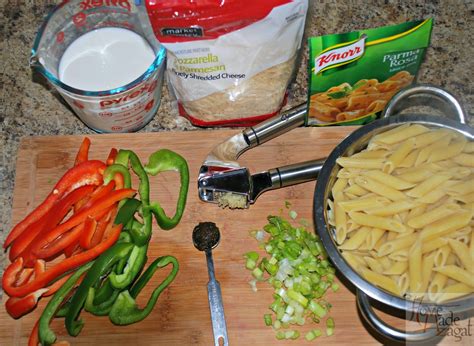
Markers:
point(229, 62)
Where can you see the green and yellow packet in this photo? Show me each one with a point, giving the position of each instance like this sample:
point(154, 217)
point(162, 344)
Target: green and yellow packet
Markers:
point(352, 76)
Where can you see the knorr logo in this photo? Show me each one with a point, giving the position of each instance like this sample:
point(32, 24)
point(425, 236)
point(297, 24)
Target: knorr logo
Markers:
point(340, 55)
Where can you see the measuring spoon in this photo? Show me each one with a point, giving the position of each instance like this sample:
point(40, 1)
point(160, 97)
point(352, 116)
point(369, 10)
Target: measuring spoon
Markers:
point(206, 236)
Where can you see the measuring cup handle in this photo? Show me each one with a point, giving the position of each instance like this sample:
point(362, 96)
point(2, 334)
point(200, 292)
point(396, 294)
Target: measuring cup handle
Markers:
point(425, 95)
point(384, 329)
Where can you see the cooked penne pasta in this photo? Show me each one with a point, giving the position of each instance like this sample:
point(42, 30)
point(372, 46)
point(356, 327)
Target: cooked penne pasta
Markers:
point(363, 203)
point(391, 209)
point(376, 221)
point(445, 226)
point(400, 133)
point(425, 153)
point(441, 212)
point(409, 208)
point(349, 162)
point(428, 185)
point(373, 237)
point(389, 180)
point(356, 239)
point(375, 154)
point(453, 291)
point(462, 252)
point(452, 150)
point(434, 244)
point(396, 269)
point(464, 160)
point(398, 155)
point(379, 188)
point(426, 272)
point(456, 273)
point(396, 244)
point(441, 256)
point(414, 267)
point(436, 286)
point(409, 161)
point(355, 190)
point(374, 264)
point(403, 283)
point(381, 280)
point(338, 187)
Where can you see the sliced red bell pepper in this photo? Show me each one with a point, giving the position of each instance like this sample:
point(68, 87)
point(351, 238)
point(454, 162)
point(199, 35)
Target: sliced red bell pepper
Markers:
point(68, 264)
point(42, 241)
point(83, 153)
point(50, 220)
point(102, 225)
point(85, 239)
point(33, 340)
point(86, 173)
point(71, 249)
point(111, 157)
point(99, 192)
point(17, 307)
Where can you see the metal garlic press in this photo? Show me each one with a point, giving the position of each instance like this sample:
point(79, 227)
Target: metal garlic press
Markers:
point(223, 181)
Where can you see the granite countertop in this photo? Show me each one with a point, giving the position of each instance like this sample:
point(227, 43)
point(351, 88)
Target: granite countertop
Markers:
point(29, 108)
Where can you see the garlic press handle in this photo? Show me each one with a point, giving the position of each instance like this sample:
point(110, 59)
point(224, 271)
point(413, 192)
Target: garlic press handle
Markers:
point(275, 126)
point(296, 173)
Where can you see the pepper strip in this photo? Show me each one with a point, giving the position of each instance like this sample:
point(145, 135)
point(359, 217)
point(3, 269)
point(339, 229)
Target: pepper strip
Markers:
point(17, 307)
point(101, 308)
point(125, 309)
point(135, 263)
point(83, 153)
point(100, 267)
point(39, 246)
point(49, 220)
point(86, 173)
point(33, 340)
point(46, 335)
point(166, 160)
point(48, 276)
point(141, 235)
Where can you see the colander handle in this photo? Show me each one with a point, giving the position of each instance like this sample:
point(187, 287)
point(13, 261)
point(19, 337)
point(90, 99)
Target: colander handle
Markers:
point(386, 330)
point(425, 95)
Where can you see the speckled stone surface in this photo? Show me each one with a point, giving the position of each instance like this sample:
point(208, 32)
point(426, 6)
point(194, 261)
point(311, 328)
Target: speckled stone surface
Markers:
point(29, 108)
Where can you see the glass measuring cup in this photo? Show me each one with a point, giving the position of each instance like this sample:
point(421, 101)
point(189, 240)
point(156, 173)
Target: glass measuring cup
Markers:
point(122, 108)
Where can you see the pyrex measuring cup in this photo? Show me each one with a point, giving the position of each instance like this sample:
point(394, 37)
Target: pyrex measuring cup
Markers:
point(121, 108)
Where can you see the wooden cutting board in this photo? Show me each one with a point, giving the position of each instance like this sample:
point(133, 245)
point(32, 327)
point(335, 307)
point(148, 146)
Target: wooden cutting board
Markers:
point(181, 316)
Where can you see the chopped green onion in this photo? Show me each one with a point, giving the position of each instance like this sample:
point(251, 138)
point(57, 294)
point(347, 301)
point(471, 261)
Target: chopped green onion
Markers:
point(317, 332)
point(268, 319)
point(335, 287)
point(298, 297)
point(317, 309)
point(330, 323)
point(250, 264)
point(329, 331)
point(293, 214)
point(277, 324)
point(280, 335)
point(298, 269)
point(257, 273)
point(252, 255)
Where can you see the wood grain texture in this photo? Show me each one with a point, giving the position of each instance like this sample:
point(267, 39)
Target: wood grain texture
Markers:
point(181, 316)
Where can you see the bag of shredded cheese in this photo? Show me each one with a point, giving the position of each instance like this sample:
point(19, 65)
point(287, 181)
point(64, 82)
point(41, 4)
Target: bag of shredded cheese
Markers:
point(229, 63)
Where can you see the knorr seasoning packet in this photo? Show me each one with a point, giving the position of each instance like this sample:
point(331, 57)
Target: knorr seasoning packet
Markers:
point(353, 75)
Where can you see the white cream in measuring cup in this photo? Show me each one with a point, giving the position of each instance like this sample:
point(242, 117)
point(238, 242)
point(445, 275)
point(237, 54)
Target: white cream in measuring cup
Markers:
point(105, 61)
